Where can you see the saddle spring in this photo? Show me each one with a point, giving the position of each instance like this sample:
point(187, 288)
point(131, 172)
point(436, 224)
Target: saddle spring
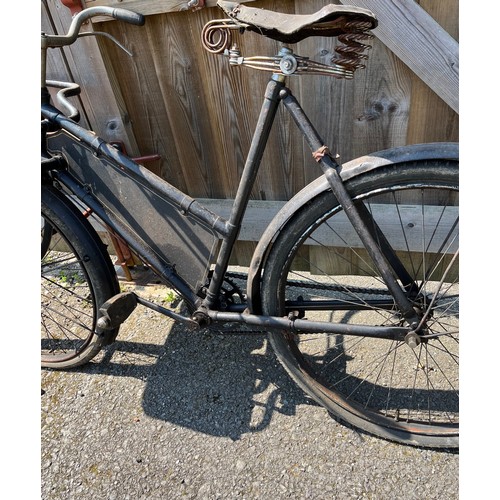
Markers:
point(353, 49)
point(216, 38)
point(216, 35)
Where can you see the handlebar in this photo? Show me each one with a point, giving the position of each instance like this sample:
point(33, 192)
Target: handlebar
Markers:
point(50, 41)
point(68, 89)
point(74, 29)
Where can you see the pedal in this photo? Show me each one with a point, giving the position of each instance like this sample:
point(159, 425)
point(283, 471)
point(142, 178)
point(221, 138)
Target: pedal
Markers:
point(116, 310)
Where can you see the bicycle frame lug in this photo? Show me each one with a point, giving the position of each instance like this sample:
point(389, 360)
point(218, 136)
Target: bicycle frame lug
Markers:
point(284, 93)
point(201, 317)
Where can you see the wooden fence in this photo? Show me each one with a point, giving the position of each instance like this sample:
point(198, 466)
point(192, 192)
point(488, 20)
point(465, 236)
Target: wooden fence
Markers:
point(174, 99)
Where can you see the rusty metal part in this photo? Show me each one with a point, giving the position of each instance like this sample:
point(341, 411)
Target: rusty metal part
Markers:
point(123, 253)
point(216, 35)
point(352, 50)
point(146, 158)
point(125, 257)
point(351, 25)
point(120, 145)
point(320, 153)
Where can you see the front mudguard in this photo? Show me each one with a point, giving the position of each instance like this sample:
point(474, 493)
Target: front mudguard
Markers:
point(54, 197)
point(356, 167)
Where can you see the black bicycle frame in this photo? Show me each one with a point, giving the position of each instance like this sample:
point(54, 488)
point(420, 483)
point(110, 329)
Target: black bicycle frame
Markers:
point(228, 230)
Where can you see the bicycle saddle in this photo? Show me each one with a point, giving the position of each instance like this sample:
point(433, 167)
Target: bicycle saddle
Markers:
point(292, 28)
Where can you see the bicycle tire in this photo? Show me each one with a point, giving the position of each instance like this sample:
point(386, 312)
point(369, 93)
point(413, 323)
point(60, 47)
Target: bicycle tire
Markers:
point(385, 388)
point(47, 231)
point(77, 277)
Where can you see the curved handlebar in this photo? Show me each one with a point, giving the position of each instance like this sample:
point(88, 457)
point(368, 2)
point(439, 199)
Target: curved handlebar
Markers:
point(48, 41)
point(74, 29)
point(68, 89)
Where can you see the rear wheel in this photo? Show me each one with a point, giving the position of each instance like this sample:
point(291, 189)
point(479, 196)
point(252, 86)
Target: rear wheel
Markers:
point(77, 278)
point(317, 269)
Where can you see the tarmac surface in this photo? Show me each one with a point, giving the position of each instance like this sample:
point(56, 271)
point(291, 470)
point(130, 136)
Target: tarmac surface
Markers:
point(166, 413)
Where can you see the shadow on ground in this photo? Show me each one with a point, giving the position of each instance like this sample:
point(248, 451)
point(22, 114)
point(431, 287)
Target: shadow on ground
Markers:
point(213, 383)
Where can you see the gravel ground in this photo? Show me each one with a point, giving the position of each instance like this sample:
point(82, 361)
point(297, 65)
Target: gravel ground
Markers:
point(166, 413)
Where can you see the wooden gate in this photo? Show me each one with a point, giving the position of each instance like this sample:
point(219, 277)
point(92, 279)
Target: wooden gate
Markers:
point(174, 99)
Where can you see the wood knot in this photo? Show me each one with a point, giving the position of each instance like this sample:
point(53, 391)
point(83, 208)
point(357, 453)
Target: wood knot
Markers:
point(379, 108)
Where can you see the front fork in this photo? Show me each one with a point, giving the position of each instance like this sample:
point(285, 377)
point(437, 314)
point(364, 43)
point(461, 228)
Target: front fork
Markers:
point(358, 215)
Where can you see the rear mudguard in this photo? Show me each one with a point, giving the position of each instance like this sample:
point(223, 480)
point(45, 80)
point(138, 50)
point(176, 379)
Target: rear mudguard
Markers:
point(359, 166)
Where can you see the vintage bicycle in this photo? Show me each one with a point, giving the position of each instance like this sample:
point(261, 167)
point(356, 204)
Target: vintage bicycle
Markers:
point(377, 346)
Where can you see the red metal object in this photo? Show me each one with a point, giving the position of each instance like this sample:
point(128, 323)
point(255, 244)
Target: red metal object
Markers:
point(124, 255)
point(196, 4)
point(145, 159)
point(138, 159)
point(74, 6)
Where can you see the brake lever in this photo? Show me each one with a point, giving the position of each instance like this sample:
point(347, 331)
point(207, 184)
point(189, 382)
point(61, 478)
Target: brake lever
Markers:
point(107, 35)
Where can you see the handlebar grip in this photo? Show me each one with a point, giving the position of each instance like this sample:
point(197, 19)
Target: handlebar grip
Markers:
point(129, 16)
point(74, 29)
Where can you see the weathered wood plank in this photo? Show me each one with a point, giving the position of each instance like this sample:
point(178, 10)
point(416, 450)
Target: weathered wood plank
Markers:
point(148, 7)
point(183, 103)
point(420, 42)
point(431, 118)
point(205, 109)
point(340, 234)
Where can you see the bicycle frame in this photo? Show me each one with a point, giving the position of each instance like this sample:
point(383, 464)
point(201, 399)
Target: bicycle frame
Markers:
point(368, 250)
point(276, 92)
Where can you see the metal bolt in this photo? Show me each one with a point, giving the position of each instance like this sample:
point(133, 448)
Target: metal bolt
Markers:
point(288, 64)
point(412, 339)
point(103, 322)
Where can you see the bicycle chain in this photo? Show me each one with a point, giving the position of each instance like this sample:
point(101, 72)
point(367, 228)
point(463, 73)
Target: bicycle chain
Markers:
point(319, 286)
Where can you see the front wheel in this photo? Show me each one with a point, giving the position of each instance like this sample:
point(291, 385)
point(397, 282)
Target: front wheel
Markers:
point(77, 278)
point(318, 269)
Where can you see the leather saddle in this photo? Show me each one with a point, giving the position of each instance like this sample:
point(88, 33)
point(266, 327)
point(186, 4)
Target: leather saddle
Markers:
point(329, 21)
